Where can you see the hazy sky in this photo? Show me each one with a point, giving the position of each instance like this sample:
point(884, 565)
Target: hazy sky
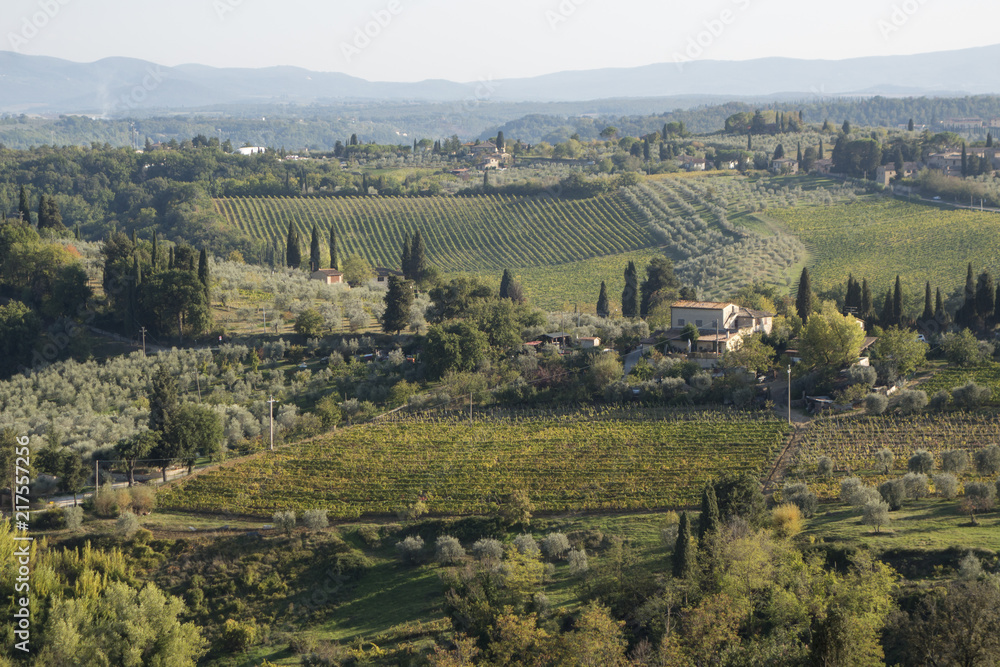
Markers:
point(469, 40)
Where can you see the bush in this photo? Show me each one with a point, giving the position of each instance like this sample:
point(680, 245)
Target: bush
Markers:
point(861, 375)
point(800, 496)
point(922, 462)
point(315, 519)
point(578, 561)
point(916, 485)
point(824, 467)
point(73, 516)
point(849, 486)
point(555, 545)
point(876, 404)
point(487, 548)
point(526, 544)
point(238, 637)
point(875, 513)
point(411, 550)
point(988, 460)
point(945, 485)
point(963, 348)
point(893, 492)
point(940, 400)
point(786, 519)
point(126, 525)
point(284, 521)
point(971, 395)
point(143, 498)
point(448, 550)
point(911, 400)
point(955, 461)
point(105, 501)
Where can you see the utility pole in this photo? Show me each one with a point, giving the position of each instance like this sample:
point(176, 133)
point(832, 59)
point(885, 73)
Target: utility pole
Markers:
point(271, 405)
point(142, 330)
point(789, 393)
point(264, 311)
point(97, 478)
point(470, 408)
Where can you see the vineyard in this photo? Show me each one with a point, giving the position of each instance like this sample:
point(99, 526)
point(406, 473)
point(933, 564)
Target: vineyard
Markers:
point(948, 378)
point(853, 441)
point(878, 238)
point(480, 233)
point(614, 461)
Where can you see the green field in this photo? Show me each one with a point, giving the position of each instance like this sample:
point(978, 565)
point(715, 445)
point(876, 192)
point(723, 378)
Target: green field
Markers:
point(877, 238)
point(623, 460)
point(478, 233)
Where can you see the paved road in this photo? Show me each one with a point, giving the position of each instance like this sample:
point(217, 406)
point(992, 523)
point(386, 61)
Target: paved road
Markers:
point(67, 501)
point(632, 358)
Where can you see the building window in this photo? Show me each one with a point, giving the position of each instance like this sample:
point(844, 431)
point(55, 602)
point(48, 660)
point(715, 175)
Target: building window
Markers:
point(697, 323)
point(680, 322)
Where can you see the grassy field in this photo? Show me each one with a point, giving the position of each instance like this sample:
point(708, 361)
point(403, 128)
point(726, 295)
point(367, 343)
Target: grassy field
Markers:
point(877, 238)
point(627, 460)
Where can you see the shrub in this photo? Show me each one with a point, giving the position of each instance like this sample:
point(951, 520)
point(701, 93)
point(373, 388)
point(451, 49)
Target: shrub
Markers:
point(911, 400)
point(955, 461)
point(922, 462)
point(893, 492)
point(988, 460)
point(555, 545)
point(861, 375)
point(73, 516)
point(824, 467)
point(875, 513)
point(945, 485)
point(849, 486)
point(411, 549)
point(916, 485)
point(142, 536)
point(126, 525)
point(940, 400)
point(970, 568)
point(578, 561)
point(800, 496)
point(105, 501)
point(284, 521)
point(971, 395)
point(315, 519)
point(237, 636)
point(413, 511)
point(876, 404)
point(786, 519)
point(526, 544)
point(448, 550)
point(123, 500)
point(143, 498)
point(487, 548)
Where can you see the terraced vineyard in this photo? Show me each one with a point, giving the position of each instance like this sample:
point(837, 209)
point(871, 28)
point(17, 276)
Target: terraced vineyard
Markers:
point(480, 233)
point(877, 238)
point(621, 460)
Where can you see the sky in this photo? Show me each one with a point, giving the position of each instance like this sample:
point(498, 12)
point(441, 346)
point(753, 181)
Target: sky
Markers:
point(482, 40)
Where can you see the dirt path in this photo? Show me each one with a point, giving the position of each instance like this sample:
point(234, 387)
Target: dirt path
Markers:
point(801, 421)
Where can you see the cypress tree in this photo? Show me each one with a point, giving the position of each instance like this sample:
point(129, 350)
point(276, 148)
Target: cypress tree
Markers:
point(505, 282)
point(170, 263)
point(804, 298)
point(22, 205)
point(486, 180)
point(405, 260)
point(418, 262)
point(909, 126)
point(749, 141)
point(603, 307)
point(846, 127)
point(897, 304)
point(867, 312)
point(203, 276)
point(293, 254)
point(155, 257)
point(314, 250)
point(939, 307)
point(685, 550)
point(398, 300)
point(887, 317)
point(54, 215)
point(709, 520)
point(996, 309)
point(928, 313)
point(966, 315)
point(985, 296)
point(965, 161)
point(76, 232)
point(334, 262)
point(43, 220)
point(821, 149)
point(630, 295)
point(989, 140)
point(798, 154)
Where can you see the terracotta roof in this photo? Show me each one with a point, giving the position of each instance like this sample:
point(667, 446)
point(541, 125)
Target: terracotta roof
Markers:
point(329, 272)
point(711, 305)
point(750, 312)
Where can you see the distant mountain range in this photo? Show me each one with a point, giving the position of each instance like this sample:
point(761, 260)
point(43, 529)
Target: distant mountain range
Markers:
point(120, 86)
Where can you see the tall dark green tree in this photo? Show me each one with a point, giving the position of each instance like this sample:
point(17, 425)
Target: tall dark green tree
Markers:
point(888, 317)
point(846, 127)
point(405, 259)
point(867, 310)
point(909, 126)
point(203, 275)
point(418, 259)
point(798, 154)
point(398, 301)
point(314, 250)
point(989, 140)
point(603, 307)
point(820, 152)
point(630, 295)
point(897, 303)
point(804, 298)
point(23, 205)
point(155, 258)
point(852, 297)
point(749, 142)
point(170, 260)
point(660, 285)
point(501, 144)
point(779, 152)
point(334, 260)
point(710, 519)
point(293, 252)
point(985, 297)
point(163, 400)
point(928, 313)
point(966, 315)
point(965, 161)
point(685, 559)
point(939, 312)
point(505, 282)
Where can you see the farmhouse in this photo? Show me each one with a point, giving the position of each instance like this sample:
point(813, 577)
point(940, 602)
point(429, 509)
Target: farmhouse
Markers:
point(785, 165)
point(587, 342)
point(721, 326)
point(382, 274)
point(691, 163)
point(251, 150)
point(886, 173)
point(823, 166)
point(329, 276)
